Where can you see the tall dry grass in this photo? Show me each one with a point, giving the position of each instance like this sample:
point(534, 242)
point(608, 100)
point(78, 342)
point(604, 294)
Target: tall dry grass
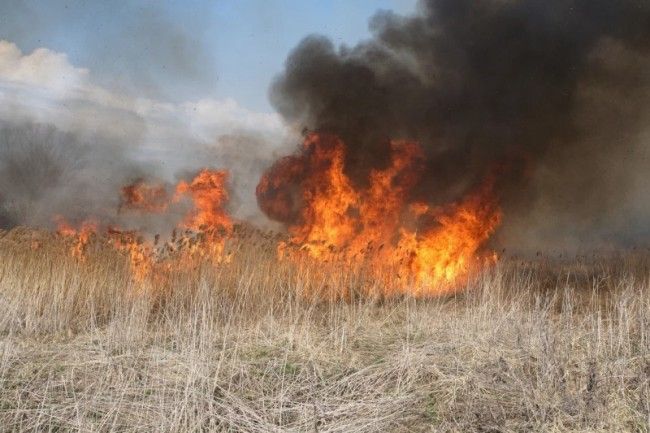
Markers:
point(254, 346)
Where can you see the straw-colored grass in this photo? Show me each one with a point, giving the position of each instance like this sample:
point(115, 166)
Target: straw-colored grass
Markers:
point(544, 345)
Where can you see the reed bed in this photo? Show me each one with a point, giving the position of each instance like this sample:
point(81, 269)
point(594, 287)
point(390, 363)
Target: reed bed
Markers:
point(257, 344)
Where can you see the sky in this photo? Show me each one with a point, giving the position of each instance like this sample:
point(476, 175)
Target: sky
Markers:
point(185, 50)
point(167, 86)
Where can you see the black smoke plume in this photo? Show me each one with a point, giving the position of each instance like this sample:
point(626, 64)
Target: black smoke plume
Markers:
point(555, 91)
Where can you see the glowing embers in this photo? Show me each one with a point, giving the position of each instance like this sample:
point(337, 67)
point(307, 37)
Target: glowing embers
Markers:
point(329, 218)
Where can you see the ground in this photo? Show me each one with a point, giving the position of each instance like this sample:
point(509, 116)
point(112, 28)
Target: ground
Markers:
point(543, 344)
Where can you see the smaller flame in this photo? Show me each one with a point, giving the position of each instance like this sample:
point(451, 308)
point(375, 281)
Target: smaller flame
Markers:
point(141, 255)
point(209, 195)
point(81, 236)
point(204, 227)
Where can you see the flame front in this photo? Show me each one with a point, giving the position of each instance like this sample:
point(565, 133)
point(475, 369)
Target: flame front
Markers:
point(416, 248)
point(432, 248)
point(81, 237)
point(202, 229)
point(447, 251)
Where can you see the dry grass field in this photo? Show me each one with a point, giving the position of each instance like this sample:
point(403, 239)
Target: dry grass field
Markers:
point(257, 345)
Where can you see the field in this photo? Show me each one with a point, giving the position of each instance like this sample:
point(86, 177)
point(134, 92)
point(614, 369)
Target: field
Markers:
point(255, 344)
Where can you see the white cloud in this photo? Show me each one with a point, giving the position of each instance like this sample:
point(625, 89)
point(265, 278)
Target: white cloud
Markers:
point(42, 69)
point(44, 86)
point(207, 117)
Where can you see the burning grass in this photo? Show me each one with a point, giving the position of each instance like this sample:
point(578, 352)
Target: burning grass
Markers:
point(400, 245)
point(379, 224)
point(254, 343)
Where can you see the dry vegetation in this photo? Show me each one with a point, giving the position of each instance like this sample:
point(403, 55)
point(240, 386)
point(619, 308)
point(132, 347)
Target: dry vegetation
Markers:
point(547, 345)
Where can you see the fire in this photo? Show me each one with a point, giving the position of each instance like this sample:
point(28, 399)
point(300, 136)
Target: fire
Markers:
point(329, 218)
point(327, 223)
point(416, 247)
point(81, 236)
point(442, 254)
point(144, 197)
point(209, 195)
point(141, 254)
point(203, 227)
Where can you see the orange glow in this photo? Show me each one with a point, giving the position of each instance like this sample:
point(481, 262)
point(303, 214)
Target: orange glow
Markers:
point(208, 193)
point(433, 248)
point(143, 197)
point(141, 254)
point(329, 195)
point(203, 228)
point(440, 255)
point(81, 236)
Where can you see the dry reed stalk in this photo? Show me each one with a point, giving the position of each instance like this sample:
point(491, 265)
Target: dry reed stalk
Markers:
point(256, 345)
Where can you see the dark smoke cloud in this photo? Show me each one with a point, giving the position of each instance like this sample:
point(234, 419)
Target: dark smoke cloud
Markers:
point(556, 91)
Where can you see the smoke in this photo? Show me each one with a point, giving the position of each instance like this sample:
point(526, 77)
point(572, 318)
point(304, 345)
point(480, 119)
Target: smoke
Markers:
point(555, 93)
point(68, 145)
point(159, 56)
point(45, 172)
point(246, 156)
point(595, 188)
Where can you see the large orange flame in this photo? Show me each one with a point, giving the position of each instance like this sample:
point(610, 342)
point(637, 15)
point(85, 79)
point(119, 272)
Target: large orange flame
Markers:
point(444, 253)
point(433, 248)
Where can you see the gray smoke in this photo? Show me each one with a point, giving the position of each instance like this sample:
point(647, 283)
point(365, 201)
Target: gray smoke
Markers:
point(554, 92)
point(45, 172)
point(71, 138)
